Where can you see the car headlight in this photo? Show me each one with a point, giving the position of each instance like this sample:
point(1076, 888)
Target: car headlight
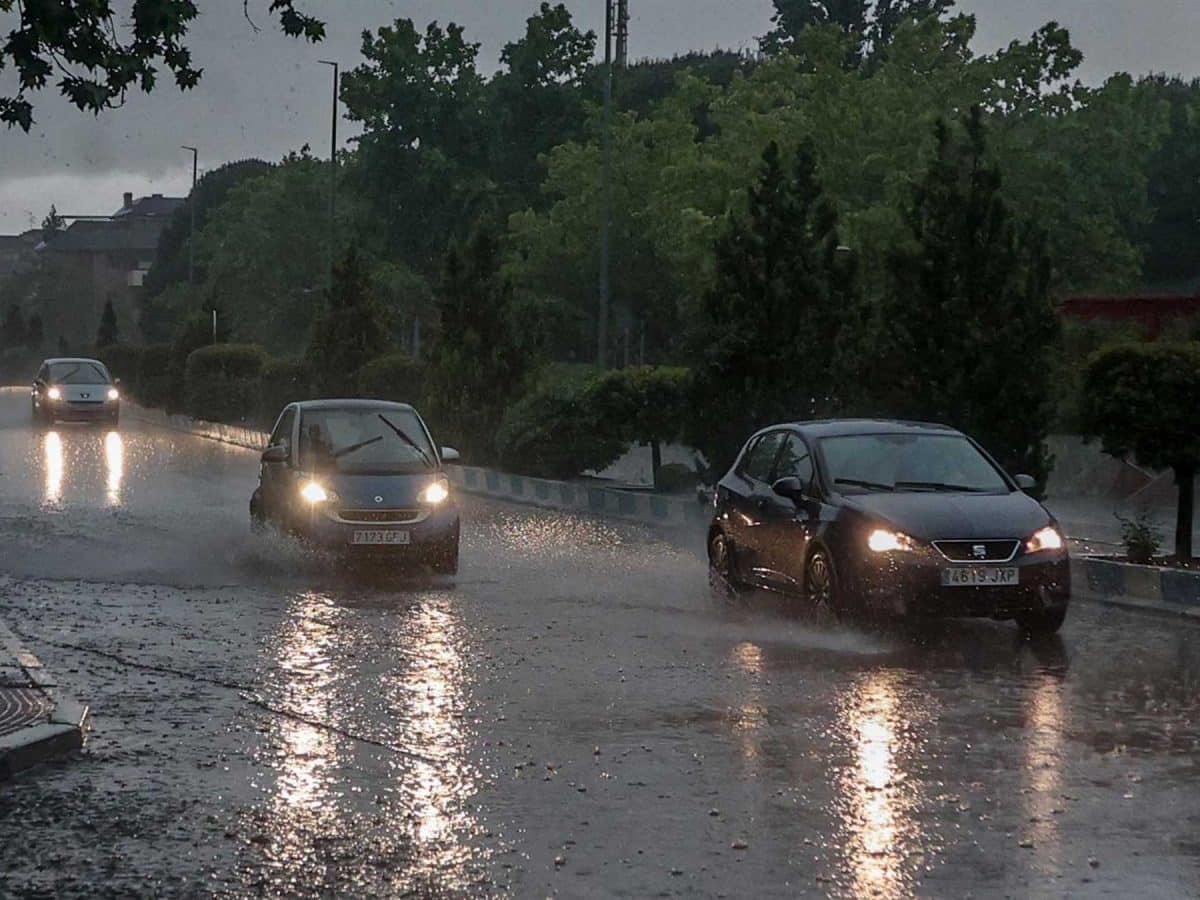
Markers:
point(54, 394)
point(314, 493)
point(436, 493)
point(1048, 538)
point(884, 541)
point(113, 394)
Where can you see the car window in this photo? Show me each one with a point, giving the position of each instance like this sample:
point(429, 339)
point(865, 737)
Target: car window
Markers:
point(795, 461)
point(82, 372)
point(761, 458)
point(282, 435)
point(909, 463)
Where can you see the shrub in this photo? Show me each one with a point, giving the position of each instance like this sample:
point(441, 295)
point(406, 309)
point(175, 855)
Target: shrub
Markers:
point(124, 362)
point(1140, 537)
point(396, 376)
point(222, 382)
point(283, 381)
point(154, 383)
point(549, 433)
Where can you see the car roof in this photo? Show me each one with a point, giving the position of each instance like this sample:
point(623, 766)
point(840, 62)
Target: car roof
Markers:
point(71, 359)
point(820, 428)
point(308, 405)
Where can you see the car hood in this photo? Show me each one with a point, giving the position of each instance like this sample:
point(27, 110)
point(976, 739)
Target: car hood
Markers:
point(84, 392)
point(378, 491)
point(944, 516)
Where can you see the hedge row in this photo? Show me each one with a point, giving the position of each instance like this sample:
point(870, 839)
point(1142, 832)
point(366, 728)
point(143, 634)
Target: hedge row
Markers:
point(240, 383)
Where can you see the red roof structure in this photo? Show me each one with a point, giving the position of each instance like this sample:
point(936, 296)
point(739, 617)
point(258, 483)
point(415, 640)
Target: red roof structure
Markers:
point(1151, 311)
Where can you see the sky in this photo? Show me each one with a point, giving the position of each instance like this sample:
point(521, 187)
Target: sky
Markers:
point(264, 94)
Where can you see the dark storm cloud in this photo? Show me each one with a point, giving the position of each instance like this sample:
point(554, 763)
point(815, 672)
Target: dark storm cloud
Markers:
point(264, 94)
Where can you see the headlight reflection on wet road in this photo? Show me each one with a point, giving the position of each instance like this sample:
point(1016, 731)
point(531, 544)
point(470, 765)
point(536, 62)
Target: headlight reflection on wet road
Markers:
point(114, 467)
point(878, 803)
point(1043, 769)
point(52, 460)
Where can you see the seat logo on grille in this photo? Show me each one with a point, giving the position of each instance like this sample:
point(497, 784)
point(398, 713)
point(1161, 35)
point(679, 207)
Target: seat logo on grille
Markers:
point(980, 551)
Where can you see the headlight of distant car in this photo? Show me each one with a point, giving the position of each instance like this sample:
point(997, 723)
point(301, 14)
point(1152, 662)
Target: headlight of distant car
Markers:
point(113, 394)
point(884, 541)
point(54, 394)
point(1046, 539)
point(315, 493)
point(436, 493)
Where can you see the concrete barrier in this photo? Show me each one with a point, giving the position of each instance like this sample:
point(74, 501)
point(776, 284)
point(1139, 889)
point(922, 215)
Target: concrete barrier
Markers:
point(586, 499)
point(237, 435)
point(1151, 588)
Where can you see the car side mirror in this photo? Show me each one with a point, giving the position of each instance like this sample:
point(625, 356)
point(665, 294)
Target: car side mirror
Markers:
point(276, 454)
point(791, 487)
point(1026, 482)
point(449, 454)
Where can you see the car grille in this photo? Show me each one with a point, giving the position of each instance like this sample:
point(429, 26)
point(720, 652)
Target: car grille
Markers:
point(381, 516)
point(969, 551)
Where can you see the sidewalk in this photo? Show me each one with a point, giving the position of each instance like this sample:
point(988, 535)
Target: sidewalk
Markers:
point(37, 721)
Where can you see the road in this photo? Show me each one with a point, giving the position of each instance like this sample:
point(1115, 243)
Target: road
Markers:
point(577, 714)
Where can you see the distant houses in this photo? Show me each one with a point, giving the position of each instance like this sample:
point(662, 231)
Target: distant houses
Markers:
point(93, 260)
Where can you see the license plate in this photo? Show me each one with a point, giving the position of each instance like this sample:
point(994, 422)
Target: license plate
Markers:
point(981, 576)
point(380, 537)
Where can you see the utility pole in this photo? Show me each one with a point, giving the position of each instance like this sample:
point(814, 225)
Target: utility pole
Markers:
point(192, 227)
point(332, 169)
point(622, 34)
point(606, 177)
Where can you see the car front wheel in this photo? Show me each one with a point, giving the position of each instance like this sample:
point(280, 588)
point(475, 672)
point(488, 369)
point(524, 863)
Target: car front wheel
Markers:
point(445, 560)
point(820, 582)
point(1042, 622)
point(720, 558)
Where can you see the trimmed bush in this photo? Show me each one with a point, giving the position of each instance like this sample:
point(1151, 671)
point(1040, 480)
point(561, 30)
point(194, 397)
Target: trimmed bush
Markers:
point(549, 432)
point(222, 382)
point(155, 382)
point(396, 377)
point(283, 381)
point(123, 361)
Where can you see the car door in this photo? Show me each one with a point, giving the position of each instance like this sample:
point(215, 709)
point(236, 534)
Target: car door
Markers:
point(748, 500)
point(787, 526)
point(275, 478)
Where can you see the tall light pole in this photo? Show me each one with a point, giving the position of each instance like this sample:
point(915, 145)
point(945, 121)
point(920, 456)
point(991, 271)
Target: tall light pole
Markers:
point(606, 176)
point(332, 167)
point(192, 227)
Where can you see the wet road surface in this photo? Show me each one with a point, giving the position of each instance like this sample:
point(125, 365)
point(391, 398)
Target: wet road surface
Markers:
point(577, 714)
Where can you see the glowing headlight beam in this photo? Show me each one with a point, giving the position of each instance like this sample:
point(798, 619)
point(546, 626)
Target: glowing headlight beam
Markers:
point(54, 394)
point(113, 394)
point(883, 541)
point(1046, 539)
point(314, 493)
point(436, 493)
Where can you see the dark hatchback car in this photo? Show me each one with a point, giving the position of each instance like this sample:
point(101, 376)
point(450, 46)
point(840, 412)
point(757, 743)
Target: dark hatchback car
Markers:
point(887, 518)
point(362, 478)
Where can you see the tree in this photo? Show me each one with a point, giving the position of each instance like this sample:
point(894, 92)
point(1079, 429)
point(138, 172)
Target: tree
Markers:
point(350, 332)
point(640, 404)
point(964, 331)
point(1140, 399)
point(767, 342)
point(81, 42)
point(106, 334)
point(478, 364)
point(12, 331)
point(869, 25)
point(35, 333)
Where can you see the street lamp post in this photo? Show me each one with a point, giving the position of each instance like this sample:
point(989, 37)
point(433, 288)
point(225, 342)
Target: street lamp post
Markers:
point(332, 167)
point(606, 176)
point(192, 227)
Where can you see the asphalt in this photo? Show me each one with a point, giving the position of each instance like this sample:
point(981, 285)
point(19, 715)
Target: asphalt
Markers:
point(579, 714)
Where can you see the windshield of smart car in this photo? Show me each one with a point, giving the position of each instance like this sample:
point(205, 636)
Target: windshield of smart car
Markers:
point(78, 373)
point(364, 441)
point(866, 463)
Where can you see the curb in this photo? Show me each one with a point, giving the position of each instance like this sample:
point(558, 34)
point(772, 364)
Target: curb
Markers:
point(1169, 592)
point(653, 509)
point(62, 729)
point(234, 435)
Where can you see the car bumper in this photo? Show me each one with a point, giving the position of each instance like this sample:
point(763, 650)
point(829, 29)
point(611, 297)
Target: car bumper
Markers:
point(915, 588)
point(428, 537)
point(81, 412)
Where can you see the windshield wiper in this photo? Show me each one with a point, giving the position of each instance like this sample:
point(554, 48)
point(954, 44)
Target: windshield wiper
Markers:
point(869, 485)
point(404, 437)
point(942, 486)
point(346, 451)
